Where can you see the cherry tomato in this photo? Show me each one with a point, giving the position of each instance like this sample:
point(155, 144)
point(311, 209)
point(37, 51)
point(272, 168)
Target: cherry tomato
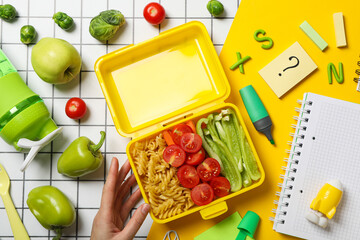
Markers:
point(178, 131)
point(154, 13)
point(188, 176)
point(75, 108)
point(208, 169)
point(174, 155)
point(202, 194)
point(196, 158)
point(221, 186)
point(190, 142)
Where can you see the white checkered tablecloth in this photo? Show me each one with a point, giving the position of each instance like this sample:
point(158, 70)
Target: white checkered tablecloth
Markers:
point(84, 192)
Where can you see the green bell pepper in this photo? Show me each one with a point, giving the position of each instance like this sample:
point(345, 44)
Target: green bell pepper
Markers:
point(215, 147)
point(248, 157)
point(81, 157)
point(52, 208)
point(231, 137)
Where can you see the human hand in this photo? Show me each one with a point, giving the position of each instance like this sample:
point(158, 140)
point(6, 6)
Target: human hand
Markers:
point(109, 222)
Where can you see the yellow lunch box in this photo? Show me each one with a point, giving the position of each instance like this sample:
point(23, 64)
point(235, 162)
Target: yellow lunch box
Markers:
point(169, 79)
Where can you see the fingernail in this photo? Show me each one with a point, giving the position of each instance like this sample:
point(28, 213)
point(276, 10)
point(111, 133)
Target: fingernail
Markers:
point(145, 209)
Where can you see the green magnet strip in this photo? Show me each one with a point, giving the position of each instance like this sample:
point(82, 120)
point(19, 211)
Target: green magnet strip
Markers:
point(313, 35)
point(241, 66)
point(241, 61)
point(332, 70)
point(262, 39)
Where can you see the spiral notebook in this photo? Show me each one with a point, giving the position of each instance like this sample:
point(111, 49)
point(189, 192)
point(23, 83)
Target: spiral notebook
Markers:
point(325, 146)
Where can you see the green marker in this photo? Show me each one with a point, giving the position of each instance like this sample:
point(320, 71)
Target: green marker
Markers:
point(248, 226)
point(257, 112)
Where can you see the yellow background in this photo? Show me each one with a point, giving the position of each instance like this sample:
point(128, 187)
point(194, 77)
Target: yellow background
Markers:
point(280, 19)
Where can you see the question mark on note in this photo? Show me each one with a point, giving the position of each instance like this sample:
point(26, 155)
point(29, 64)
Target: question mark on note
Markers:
point(294, 66)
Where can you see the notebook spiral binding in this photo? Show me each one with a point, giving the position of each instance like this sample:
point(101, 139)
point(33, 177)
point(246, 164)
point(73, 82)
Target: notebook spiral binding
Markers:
point(292, 162)
point(357, 71)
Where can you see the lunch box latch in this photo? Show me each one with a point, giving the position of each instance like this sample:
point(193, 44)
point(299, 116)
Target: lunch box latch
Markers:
point(214, 210)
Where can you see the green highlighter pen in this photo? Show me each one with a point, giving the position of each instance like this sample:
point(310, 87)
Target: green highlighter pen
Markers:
point(257, 112)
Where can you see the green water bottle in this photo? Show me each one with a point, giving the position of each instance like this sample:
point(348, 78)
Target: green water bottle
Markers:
point(25, 121)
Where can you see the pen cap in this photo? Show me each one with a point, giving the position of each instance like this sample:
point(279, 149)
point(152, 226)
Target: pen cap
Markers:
point(253, 104)
point(249, 223)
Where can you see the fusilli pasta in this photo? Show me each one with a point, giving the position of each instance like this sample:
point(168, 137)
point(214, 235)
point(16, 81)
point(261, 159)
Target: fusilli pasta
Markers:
point(166, 196)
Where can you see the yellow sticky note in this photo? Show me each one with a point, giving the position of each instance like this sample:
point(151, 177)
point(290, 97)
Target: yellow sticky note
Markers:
point(339, 30)
point(288, 69)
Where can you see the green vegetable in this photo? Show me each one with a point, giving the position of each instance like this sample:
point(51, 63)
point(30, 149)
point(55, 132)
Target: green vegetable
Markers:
point(224, 139)
point(104, 26)
point(207, 145)
point(52, 208)
point(7, 12)
point(249, 161)
point(81, 157)
point(215, 8)
point(228, 163)
point(229, 126)
point(63, 20)
point(246, 179)
point(27, 34)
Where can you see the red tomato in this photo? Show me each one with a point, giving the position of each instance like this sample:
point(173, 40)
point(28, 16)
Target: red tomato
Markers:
point(208, 169)
point(190, 142)
point(202, 194)
point(154, 13)
point(221, 186)
point(174, 155)
point(178, 131)
point(75, 108)
point(196, 158)
point(188, 176)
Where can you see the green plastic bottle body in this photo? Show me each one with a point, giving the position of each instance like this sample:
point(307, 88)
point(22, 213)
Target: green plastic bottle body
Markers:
point(23, 113)
point(253, 104)
point(13, 91)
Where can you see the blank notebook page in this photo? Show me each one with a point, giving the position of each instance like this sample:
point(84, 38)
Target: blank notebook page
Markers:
point(330, 150)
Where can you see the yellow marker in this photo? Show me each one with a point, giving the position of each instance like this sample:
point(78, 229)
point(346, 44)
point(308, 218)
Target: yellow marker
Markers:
point(325, 203)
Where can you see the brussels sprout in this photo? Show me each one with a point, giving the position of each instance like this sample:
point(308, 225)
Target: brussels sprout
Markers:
point(63, 20)
point(105, 25)
point(215, 8)
point(27, 34)
point(7, 12)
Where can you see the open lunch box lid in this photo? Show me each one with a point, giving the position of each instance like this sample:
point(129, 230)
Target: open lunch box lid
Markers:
point(153, 83)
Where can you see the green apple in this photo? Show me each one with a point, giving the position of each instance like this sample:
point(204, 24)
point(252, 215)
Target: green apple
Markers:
point(55, 60)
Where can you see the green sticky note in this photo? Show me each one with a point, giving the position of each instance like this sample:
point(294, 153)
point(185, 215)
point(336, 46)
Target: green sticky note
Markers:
point(226, 229)
point(313, 35)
